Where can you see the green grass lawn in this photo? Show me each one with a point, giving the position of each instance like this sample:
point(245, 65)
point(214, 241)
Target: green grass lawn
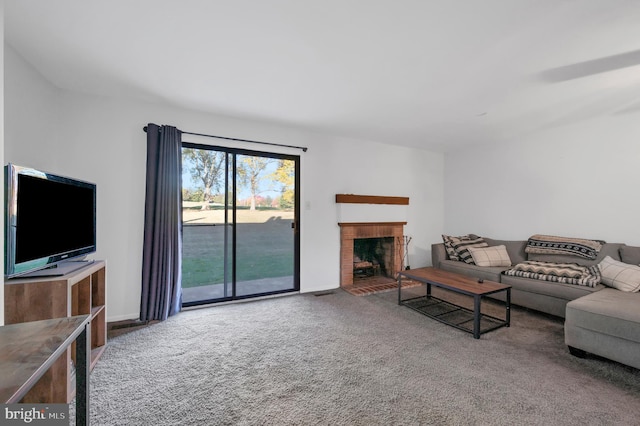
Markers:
point(264, 250)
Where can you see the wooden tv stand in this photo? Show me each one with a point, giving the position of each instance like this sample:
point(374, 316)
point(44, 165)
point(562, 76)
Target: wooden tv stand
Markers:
point(81, 292)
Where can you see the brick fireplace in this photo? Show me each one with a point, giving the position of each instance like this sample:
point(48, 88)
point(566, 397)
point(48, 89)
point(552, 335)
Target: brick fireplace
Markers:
point(352, 231)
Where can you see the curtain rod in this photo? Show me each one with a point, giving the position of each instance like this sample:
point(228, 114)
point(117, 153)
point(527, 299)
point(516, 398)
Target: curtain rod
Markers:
point(303, 148)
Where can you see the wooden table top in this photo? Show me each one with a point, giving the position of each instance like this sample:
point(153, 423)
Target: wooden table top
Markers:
point(28, 349)
point(453, 280)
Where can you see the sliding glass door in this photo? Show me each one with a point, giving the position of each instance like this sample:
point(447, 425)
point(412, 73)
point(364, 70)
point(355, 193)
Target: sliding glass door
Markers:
point(240, 227)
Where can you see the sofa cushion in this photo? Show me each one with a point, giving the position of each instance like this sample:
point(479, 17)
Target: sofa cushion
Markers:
point(457, 246)
point(630, 254)
point(490, 256)
point(487, 273)
point(620, 275)
point(549, 244)
point(567, 273)
point(548, 288)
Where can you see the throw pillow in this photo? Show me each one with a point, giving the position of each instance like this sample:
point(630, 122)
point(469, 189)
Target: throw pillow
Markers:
point(490, 256)
point(620, 275)
point(457, 246)
point(448, 245)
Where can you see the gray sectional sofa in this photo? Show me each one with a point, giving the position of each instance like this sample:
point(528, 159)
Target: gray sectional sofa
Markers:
point(599, 320)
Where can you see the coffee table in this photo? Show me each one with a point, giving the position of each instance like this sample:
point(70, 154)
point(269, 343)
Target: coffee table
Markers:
point(469, 320)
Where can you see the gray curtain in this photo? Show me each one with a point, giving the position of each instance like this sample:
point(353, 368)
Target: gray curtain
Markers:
point(162, 250)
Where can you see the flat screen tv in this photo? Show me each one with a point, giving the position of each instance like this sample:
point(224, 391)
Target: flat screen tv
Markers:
point(49, 219)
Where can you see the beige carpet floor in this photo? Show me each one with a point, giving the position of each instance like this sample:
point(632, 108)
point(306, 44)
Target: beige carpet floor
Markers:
point(338, 359)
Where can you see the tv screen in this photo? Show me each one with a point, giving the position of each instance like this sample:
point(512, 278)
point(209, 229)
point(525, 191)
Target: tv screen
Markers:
point(49, 219)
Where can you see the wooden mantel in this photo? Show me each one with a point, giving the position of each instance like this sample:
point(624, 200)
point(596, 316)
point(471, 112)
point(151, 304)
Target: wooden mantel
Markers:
point(371, 199)
point(354, 224)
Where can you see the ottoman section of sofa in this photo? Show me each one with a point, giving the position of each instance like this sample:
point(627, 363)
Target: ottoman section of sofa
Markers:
point(605, 323)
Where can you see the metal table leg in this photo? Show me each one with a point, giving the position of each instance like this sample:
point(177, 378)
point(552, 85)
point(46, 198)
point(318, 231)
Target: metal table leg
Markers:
point(508, 304)
point(83, 361)
point(476, 316)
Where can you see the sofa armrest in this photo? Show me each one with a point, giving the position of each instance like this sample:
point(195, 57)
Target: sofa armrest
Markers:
point(438, 253)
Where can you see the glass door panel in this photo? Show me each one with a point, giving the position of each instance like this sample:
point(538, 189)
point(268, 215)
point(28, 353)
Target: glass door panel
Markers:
point(265, 218)
point(239, 224)
point(205, 227)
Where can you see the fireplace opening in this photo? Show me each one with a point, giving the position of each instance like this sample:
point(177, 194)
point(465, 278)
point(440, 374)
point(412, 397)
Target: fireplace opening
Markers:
point(373, 257)
point(378, 237)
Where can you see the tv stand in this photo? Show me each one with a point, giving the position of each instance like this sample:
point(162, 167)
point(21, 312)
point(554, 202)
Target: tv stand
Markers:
point(59, 269)
point(81, 292)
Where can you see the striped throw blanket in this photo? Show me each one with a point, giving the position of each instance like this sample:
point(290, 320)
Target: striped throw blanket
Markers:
point(566, 273)
point(548, 244)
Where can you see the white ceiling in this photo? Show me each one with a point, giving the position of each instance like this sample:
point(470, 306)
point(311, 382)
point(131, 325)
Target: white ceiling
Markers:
point(438, 74)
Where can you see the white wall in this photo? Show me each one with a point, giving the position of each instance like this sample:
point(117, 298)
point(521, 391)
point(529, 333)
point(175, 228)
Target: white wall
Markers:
point(32, 115)
point(575, 181)
point(101, 140)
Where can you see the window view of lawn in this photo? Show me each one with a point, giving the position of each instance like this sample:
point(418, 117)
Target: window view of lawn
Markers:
point(265, 245)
